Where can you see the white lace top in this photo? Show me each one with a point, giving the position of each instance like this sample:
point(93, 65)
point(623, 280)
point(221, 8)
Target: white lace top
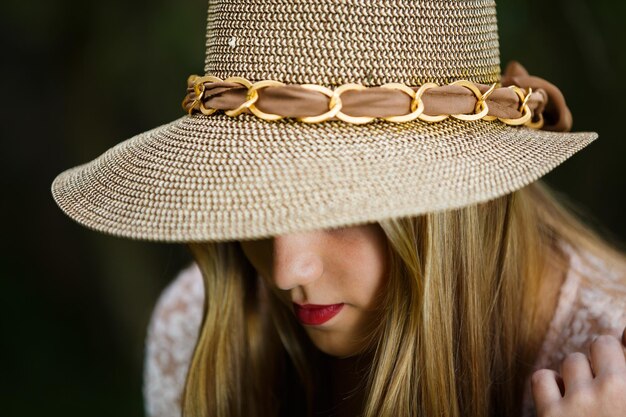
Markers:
point(592, 301)
point(170, 342)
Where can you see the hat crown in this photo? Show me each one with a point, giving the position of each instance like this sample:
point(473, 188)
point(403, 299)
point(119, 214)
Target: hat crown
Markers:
point(372, 42)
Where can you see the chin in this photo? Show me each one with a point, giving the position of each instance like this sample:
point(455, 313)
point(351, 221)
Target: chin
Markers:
point(333, 346)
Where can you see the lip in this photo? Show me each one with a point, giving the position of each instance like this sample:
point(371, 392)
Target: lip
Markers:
point(315, 314)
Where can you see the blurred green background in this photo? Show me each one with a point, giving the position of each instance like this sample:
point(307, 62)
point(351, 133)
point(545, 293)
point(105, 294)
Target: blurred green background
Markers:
point(80, 76)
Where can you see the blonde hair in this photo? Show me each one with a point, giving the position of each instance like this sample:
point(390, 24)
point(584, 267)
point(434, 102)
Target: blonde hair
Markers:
point(459, 323)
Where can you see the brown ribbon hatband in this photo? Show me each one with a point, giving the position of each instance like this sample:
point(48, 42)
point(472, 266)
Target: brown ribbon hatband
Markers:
point(292, 100)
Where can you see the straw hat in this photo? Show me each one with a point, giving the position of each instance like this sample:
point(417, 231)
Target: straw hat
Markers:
point(316, 114)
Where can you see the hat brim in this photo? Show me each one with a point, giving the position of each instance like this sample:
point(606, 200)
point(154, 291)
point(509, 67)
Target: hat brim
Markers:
point(217, 178)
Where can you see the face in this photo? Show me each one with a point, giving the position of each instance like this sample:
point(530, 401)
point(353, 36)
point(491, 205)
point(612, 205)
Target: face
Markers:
point(334, 277)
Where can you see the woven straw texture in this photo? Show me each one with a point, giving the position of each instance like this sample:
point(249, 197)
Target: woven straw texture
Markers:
point(218, 177)
point(373, 42)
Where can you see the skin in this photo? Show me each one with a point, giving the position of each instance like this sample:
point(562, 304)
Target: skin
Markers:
point(586, 386)
point(330, 266)
point(348, 265)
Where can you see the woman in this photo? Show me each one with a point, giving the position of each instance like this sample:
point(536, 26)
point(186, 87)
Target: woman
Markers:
point(370, 157)
point(496, 291)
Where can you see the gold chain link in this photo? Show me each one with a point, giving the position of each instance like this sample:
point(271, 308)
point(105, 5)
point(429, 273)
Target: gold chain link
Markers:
point(335, 105)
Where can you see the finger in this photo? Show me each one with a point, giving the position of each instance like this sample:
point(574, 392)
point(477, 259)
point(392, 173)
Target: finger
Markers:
point(575, 370)
point(607, 355)
point(545, 388)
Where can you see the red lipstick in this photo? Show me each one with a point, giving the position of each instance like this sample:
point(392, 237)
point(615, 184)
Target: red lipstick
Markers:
point(314, 314)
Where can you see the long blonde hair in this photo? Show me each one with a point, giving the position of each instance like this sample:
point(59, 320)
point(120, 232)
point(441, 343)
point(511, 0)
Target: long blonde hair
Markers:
point(457, 336)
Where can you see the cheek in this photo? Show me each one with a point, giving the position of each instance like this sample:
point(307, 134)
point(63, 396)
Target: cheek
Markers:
point(366, 275)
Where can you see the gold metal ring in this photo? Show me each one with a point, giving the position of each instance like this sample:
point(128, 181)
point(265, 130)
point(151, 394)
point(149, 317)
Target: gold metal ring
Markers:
point(211, 79)
point(425, 117)
point(197, 87)
point(525, 102)
point(525, 110)
point(485, 97)
point(197, 83)
point(479, 102)
point(535, 125)
point(487, 93)
point(347, 118)
point(334, 105)
point(252, 96)
point(417, 105)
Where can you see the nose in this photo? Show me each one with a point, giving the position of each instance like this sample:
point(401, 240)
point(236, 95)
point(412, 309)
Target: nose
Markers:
point(297, 260)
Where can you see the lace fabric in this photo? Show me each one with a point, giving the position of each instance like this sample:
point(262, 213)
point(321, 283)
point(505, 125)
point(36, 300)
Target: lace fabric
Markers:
point(592, 301)
point(170, 341)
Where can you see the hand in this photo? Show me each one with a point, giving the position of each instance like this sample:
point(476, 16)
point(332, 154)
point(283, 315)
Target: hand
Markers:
point(594, 387)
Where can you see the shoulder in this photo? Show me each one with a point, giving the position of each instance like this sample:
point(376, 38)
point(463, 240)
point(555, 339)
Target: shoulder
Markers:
point(171, 338)
point(600, 304)
point(592, 302)
point(183, 294)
